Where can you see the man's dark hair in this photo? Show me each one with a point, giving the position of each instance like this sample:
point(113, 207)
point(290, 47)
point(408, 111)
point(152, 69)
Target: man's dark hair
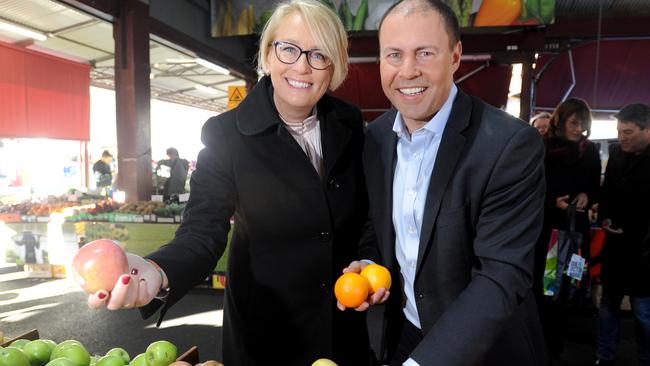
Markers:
point(448, 17)
point(106, 154)
point(172, 152)
point(637, 113)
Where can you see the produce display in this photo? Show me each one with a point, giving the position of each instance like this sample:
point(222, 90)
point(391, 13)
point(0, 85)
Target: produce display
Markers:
point(45, 352)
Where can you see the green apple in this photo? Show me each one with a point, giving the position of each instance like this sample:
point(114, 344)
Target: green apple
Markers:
point(19, 343)
point(161, 353)
point(50, 343)
point(139, 360)
point(75, 352)
point(61, 361)
point(120, 352)
point(323, 362)
point(110, 360)
point(93, 360)
point(38, 352)
point(12, 356)
point(58, 347)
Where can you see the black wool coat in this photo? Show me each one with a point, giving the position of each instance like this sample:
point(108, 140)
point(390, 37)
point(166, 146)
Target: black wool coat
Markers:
point(294, 232)
point(625, 201)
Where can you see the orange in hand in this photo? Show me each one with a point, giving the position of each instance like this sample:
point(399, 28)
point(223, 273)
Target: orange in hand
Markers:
point(378, 276)
point(351, 289)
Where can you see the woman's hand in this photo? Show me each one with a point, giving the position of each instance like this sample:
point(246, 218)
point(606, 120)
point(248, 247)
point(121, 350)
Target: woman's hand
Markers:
point(133, 289)
point(581, 201)
point(380, 296)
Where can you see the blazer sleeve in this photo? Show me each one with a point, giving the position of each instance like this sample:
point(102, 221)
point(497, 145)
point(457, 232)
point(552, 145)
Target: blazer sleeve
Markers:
point(507, 227)
point(202, 237)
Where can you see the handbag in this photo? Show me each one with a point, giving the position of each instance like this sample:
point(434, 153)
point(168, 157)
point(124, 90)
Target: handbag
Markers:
point(565, 266)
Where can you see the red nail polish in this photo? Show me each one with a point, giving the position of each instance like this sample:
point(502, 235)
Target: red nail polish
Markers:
point(101, 295)
point(125, 280)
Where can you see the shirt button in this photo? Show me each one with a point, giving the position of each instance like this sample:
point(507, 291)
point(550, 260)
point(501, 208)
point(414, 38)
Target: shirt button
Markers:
point(325, 236)
point(411, 193)
point(416, 155)
point(420, 296)
point(412, 230)
point(413, 265)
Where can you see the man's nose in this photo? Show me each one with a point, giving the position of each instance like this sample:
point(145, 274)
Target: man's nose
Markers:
point(410, 68)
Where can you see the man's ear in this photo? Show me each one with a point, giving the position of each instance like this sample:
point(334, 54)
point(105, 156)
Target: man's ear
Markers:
point(456, 52)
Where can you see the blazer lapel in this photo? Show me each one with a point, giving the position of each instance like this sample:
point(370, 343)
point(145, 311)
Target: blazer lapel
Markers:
point(388, 162)
point(451, 146)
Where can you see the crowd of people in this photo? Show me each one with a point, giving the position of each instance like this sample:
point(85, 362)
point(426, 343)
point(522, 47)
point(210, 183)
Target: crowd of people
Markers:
point(573, 188)
point(445, 191)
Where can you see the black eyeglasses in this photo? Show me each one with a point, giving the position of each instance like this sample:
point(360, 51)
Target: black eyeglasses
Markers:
point(288, 53)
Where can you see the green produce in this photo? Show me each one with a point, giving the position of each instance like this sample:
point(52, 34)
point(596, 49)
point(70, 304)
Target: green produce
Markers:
point(346, 15)
point(61, 361)
point(74, 351)
point(38, 352)
point(19, 343)
point(120, 352)
point(12, 356)
point(139, 360)
point(160, 353)
point(110, 360)
point(360, 17)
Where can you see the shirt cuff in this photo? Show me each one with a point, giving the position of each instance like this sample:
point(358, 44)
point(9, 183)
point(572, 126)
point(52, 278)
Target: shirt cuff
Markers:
point(410, 362)
point(367, 261)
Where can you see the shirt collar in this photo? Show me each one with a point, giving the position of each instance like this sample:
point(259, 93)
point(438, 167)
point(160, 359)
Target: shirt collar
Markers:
point(436, 124)
point(308, 124)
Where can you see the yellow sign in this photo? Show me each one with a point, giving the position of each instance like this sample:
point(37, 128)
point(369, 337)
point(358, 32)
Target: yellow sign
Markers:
point(235, 95)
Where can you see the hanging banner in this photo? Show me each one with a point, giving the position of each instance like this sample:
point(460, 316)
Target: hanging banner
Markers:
point(231, 18)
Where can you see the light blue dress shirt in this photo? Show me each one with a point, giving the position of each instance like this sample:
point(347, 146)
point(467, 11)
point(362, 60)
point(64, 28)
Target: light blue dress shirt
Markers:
point(416, 156)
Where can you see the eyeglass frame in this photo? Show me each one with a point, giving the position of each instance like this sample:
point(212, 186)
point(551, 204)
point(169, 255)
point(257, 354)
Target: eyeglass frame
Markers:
point(275, 45)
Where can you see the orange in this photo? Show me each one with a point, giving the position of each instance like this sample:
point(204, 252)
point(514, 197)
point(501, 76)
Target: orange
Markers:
point(378, 276)
point(351, 289)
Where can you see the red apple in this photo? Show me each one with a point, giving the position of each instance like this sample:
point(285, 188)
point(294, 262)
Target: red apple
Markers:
point(98, 265)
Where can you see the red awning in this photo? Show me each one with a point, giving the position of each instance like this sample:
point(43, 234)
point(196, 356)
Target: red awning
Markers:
point(362, 88)
point(43, 96)
point(622, 76)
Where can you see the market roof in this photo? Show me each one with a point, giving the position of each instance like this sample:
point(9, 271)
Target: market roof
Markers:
point(175, 74)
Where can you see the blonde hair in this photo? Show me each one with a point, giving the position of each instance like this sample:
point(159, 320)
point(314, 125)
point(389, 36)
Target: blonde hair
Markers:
point(324, 25)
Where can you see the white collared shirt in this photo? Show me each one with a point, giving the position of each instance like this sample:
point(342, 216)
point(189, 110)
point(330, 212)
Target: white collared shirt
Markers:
point(307, 135)
point(416, 156)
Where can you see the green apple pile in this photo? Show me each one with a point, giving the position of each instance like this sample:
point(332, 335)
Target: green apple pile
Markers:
point(44, 352)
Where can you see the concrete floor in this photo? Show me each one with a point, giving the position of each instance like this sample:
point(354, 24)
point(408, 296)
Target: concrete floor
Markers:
point(57, 308)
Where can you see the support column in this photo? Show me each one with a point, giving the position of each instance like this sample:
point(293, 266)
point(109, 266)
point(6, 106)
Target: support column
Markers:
point(526, 90)
point(132, 93)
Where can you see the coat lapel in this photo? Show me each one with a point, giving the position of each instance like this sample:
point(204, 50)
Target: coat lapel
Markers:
point(335, 134)
point(451, 146)
point(388, 153)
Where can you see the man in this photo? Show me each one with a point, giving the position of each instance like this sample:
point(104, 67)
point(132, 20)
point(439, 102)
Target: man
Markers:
point(456, 191)
point(176, 173)
point(102, 171)
point(626, 220)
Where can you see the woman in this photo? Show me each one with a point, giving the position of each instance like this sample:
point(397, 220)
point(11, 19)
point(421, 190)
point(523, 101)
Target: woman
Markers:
point(542, 122)
point(286, 163)
point(572, 167)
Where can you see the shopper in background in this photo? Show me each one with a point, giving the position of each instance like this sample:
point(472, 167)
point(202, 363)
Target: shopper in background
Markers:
point(456, 192)
point(286, 163)
point(542, 122)
point(626, 220)
point(102, 171)
point(572, 166)
point(176, 173)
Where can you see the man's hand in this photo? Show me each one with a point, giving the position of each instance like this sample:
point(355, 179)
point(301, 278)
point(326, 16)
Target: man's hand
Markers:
point(607, 226)
point(380, 296)
point(581, 201)
point(133, 289)
point(561, 202)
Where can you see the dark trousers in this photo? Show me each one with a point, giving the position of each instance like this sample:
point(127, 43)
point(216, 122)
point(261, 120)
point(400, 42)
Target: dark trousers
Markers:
point(410, 337)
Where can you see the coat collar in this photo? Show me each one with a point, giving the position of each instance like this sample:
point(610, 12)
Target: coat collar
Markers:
point(257, 114)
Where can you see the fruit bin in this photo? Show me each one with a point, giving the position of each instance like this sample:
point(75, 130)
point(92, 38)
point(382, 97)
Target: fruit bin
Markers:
point(190, 356)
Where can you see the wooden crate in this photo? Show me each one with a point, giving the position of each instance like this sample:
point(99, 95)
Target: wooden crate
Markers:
point(31, 335)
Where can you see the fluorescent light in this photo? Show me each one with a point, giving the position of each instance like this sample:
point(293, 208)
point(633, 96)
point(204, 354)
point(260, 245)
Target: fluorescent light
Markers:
point(210, 65)
point(206, 89)
point(179, 61)
point(22, 31)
